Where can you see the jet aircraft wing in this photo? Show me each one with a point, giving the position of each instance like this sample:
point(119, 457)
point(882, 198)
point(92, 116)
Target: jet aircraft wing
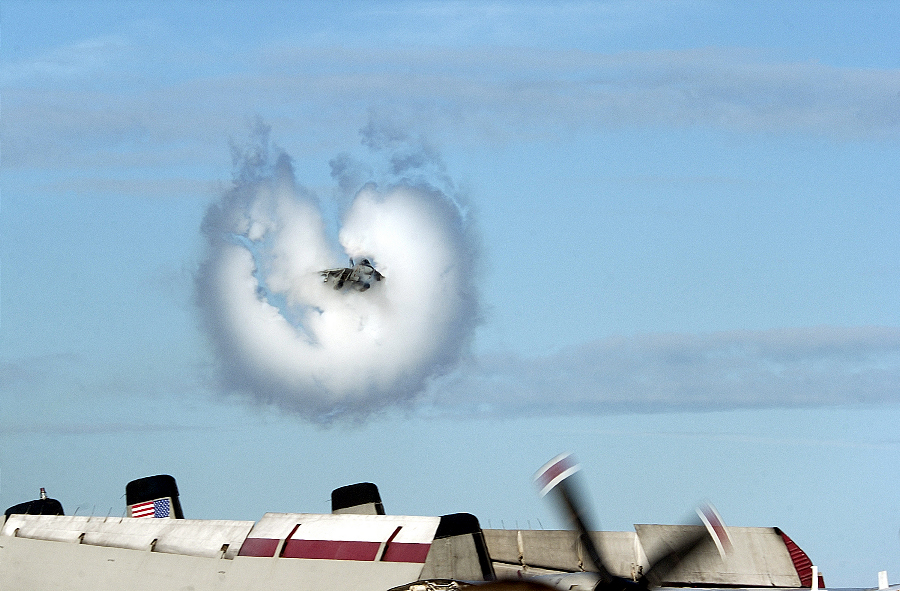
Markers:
point(360, 276)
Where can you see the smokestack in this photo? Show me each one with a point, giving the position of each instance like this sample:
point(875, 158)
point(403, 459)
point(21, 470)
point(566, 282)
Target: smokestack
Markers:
point(41, 506)
point(459, 551)
point(153, 496)
point(360, 499)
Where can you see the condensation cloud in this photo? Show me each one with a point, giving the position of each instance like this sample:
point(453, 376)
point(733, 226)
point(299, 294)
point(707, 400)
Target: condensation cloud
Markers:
point(285, 337)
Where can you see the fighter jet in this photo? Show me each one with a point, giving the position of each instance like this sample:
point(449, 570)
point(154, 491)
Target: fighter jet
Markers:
point(360, 276)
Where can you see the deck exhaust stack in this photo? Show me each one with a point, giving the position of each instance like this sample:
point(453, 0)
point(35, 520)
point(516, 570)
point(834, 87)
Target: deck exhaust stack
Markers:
point(153, 496)
point(360, 499)
point(41, 506)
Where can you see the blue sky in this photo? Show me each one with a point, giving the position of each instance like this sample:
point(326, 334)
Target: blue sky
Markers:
point(685, 233)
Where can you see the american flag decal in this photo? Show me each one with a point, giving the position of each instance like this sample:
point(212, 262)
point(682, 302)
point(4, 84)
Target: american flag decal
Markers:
point(159, 508)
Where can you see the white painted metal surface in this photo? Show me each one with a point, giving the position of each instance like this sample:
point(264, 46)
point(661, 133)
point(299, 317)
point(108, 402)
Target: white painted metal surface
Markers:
point(57, 553)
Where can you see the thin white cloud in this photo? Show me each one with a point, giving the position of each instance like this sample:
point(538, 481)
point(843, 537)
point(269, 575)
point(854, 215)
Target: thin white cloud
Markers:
point(29, 372)
point(480, 94)
point(679, 372)
point(500, 89)
point(65, 63)
point(100, 427)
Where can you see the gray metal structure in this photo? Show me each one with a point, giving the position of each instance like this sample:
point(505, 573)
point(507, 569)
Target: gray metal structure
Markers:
point(760, 557)
point(356, 547)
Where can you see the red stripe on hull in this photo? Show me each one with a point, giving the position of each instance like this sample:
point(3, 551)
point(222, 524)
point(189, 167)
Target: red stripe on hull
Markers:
point(331, 549)
point(259, 547)
point(399, 552)
point(335, 550)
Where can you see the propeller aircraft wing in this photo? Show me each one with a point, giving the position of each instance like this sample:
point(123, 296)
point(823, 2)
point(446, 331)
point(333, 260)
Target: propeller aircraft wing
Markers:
point(557, 476)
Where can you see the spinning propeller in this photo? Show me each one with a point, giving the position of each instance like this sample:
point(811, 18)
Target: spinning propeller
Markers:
point(556, 476)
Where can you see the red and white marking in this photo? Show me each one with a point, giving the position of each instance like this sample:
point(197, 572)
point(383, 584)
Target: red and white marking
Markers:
point(555, 471)
point(716, 527)
point(382, 538)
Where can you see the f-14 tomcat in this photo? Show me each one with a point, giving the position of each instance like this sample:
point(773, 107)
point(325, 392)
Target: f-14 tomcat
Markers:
point(360, 276)
point(359, 547)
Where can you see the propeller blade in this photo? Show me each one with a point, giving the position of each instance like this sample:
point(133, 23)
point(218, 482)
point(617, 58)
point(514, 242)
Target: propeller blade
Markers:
point(707, 531)
point(556, 475)
point(655, 576)
point(716, 528)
